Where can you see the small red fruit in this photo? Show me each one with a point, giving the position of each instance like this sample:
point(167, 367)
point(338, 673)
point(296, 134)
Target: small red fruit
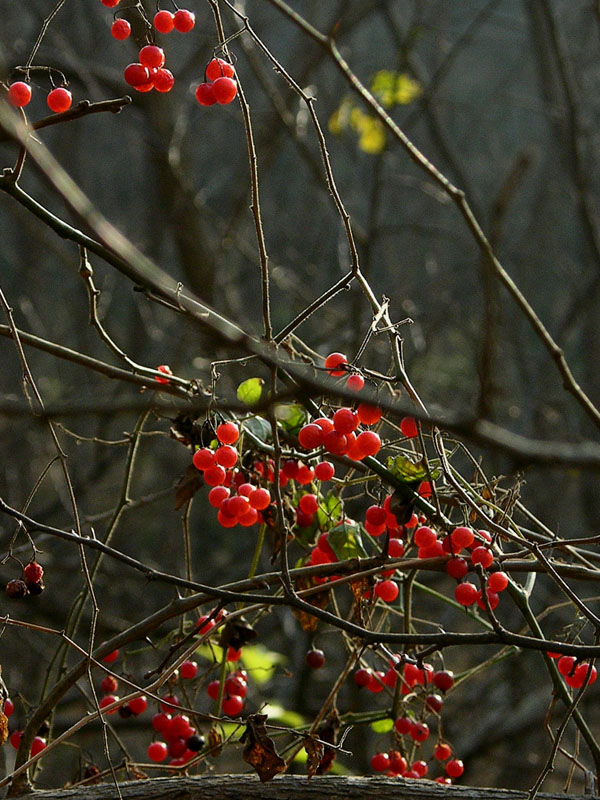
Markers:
point(33, 572)
point(163, 80)
point(324, 471)
point(224, 90)
point(164, 21)
point(157, 751)
point(419, 731)
point(15, 739)
point(457, 568)
point(228, 433)
point(368, 442)
point(355, 382)
point(233, 705)
point(152, 56)
point(408, 427)
point(19, 94)
point(136, 74)
point(38, 745)
point(111, 657)
point(108, 700)
point(367, 414)
point(165, 369)
point(109, 684)
point(311, 436)
point(218, 68)
point(466, 594)
point(455, 768)
point(59, 100)
point(334, 364)
point(380, 762)
point(9, 707)
point(498, 581)
point(442, 751)
point(215, 475)
point(188, 670)
point(184, 20)
point(160, 721)
point(443, 680)
point(482, 555)
point(110, 3)
point(387, 590)
point(138, 705)
point(205, 94)
point(315, 658)
point(362, 677)
point(120, 29)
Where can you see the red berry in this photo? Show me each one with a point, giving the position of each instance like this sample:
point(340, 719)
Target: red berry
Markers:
point(367, 414)
point(376, 683)
point(9, 707)
point(259, 499)
point(163, 80)
point(217, 495)
point(355, 382)
point(109, 684)
point(498, 581)
point(108, 700)
point(226, 456)
point(493, 600)
point(345, 420)
point(160, 721)
point(380, 762)
point(335, 442)
point(397, 762)
point(324, 471)
point(59, 100)
point(443, 680)
point(205, 94)
point(166, 370)
point(461, 537)
point(308, 503)
point(184, 20)
point(566, 664)
point(38, 745)
point(579, 676)
point(362, 677)
point(233, 705)
point(138, 705)
point(19, 94)
point(310, 436)
point(164, 21)
point(224, 90)
point(203, 459)
point(395, 548)
point(136, 75)
point(236, 685)
point(403, 725)
point(315, 659)
point(419, 731)
point(111, 657)
point(482, 555)
point(152, 56)
point(387, 590)
point(305, 475)
point(333, 362)
point(434, 703)
point(120, 29)
point(376, 515)
point(215, 475)
point(466, 594)
point(212, 690)
point(228, 433)
point(455, 768)
point(157, 751)
point(233, 654)
point(420, 767)
point(172, 699)
point(408, 427)
point(15, 739)
point(110, 3)
point(33, 572)
point(368, 442)
point(425, 537)
point(218, 68)
point(457, 568)
point(442, 751)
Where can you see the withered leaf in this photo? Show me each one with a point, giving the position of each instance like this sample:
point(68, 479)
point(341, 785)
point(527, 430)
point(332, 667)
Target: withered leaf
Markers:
point(360, 588)
point(189, 483)
point(215, 742)
point(328, 732)
point(3, 728)
point(314, 751)
point(260, 750)
point(319, 600)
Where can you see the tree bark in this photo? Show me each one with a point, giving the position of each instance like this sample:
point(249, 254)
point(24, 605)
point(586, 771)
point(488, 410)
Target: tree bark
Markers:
point(287, 787)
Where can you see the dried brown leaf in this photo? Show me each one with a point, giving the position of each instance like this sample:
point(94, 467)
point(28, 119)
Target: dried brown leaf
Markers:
point(189, 483)
point(260, 750)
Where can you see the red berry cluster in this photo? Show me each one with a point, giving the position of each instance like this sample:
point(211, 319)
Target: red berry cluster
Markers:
point(411, 729)
point(30, 584)
point(219, 85)
point(575, 672)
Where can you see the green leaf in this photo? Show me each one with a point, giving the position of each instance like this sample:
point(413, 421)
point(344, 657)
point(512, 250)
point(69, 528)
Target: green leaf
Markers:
point(277, 713)
point(261, 662)
point(409, 471)
point(250, 391)
point(382, 725)
point(291, 416)
point(260, 428)
point(345, 541)
point(329, 511)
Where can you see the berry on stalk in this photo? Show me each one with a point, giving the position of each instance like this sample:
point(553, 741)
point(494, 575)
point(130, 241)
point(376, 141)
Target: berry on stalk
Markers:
point(19, 94)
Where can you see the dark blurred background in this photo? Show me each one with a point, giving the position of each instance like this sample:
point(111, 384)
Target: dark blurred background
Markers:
point(503, 97)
